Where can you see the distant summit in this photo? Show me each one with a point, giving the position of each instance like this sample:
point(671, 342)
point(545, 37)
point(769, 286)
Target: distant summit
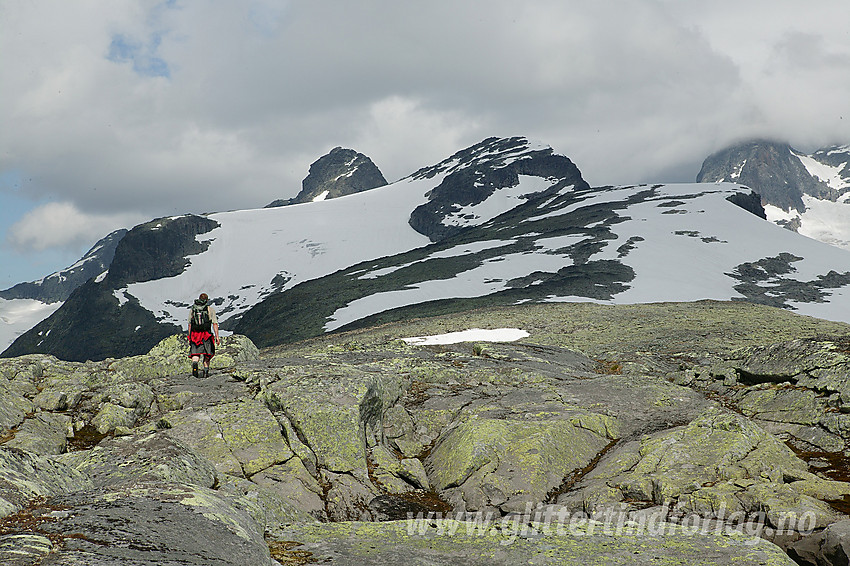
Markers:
point(775, 170)
point(341, 172)
point(806, 193)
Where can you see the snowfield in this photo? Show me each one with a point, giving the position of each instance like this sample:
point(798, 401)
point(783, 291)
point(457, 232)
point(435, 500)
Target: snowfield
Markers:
point(823, 220)
point(256, 252)
point(19, 315)
point(685, 252)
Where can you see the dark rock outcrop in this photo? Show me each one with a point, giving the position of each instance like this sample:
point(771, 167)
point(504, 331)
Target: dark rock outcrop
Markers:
point(751, 202)
point(341, 172)
point(157, 249)
point(477, 172)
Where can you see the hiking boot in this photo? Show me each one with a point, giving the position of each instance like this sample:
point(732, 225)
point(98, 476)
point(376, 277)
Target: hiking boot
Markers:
point(206, 372)
point(194, 369)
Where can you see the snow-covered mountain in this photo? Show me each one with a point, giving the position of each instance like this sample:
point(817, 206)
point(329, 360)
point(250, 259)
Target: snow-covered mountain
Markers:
point(807, 193)
point(504, 221)
point(242, 257)
point(25, 304)
point(340, 172)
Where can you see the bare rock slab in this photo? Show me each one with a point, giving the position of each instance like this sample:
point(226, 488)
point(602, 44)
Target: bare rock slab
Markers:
point(509, 541)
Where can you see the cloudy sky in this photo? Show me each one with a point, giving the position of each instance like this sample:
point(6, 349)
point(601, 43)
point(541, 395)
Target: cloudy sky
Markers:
point(116, 112)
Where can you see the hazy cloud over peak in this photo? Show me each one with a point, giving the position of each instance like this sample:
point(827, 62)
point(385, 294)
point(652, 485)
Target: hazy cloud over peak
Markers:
point(62, 224)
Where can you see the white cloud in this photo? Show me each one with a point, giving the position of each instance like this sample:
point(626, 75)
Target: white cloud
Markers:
point(63, 225)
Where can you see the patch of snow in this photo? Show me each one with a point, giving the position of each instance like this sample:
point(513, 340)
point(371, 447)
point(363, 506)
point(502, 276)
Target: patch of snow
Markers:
point(121, 295)
point(19, 315)
point(470, 248)
point(823, 220)
point(826, 221)
point(508, 198)
point(348, 173)
point(601, 196)
point(375, 273)
point(491, 276)
point(829, 174)
point(737, 173)
point(839, 149)
point(776, 214)
point(321, 197)
point(459, 250)
point(471, 335)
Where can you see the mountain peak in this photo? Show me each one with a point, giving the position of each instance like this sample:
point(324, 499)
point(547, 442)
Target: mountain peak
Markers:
point(338, 173)
point(780, 173)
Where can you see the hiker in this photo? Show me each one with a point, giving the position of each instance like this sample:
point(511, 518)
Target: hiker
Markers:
point(201, 343)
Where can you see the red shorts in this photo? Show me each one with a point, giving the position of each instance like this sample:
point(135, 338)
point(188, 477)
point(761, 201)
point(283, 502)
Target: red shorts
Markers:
point(201, 344)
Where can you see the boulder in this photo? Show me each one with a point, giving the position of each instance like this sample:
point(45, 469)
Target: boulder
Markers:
point(240, 438)
point(810, 362)
point(785, 405)
point(720, 465)
point(43, 433)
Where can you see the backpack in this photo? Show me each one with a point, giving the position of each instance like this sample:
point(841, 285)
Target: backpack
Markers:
point(201, 321)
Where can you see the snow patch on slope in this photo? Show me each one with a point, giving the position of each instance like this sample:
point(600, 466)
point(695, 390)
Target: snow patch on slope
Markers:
point(19, 315)
point(509, 197)
point(471, 335)
point(686, 242)
point(829, 174)
point(823, 220)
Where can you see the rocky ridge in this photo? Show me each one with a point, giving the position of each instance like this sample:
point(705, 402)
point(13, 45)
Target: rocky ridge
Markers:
point(59, 286)
point(702, 432)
